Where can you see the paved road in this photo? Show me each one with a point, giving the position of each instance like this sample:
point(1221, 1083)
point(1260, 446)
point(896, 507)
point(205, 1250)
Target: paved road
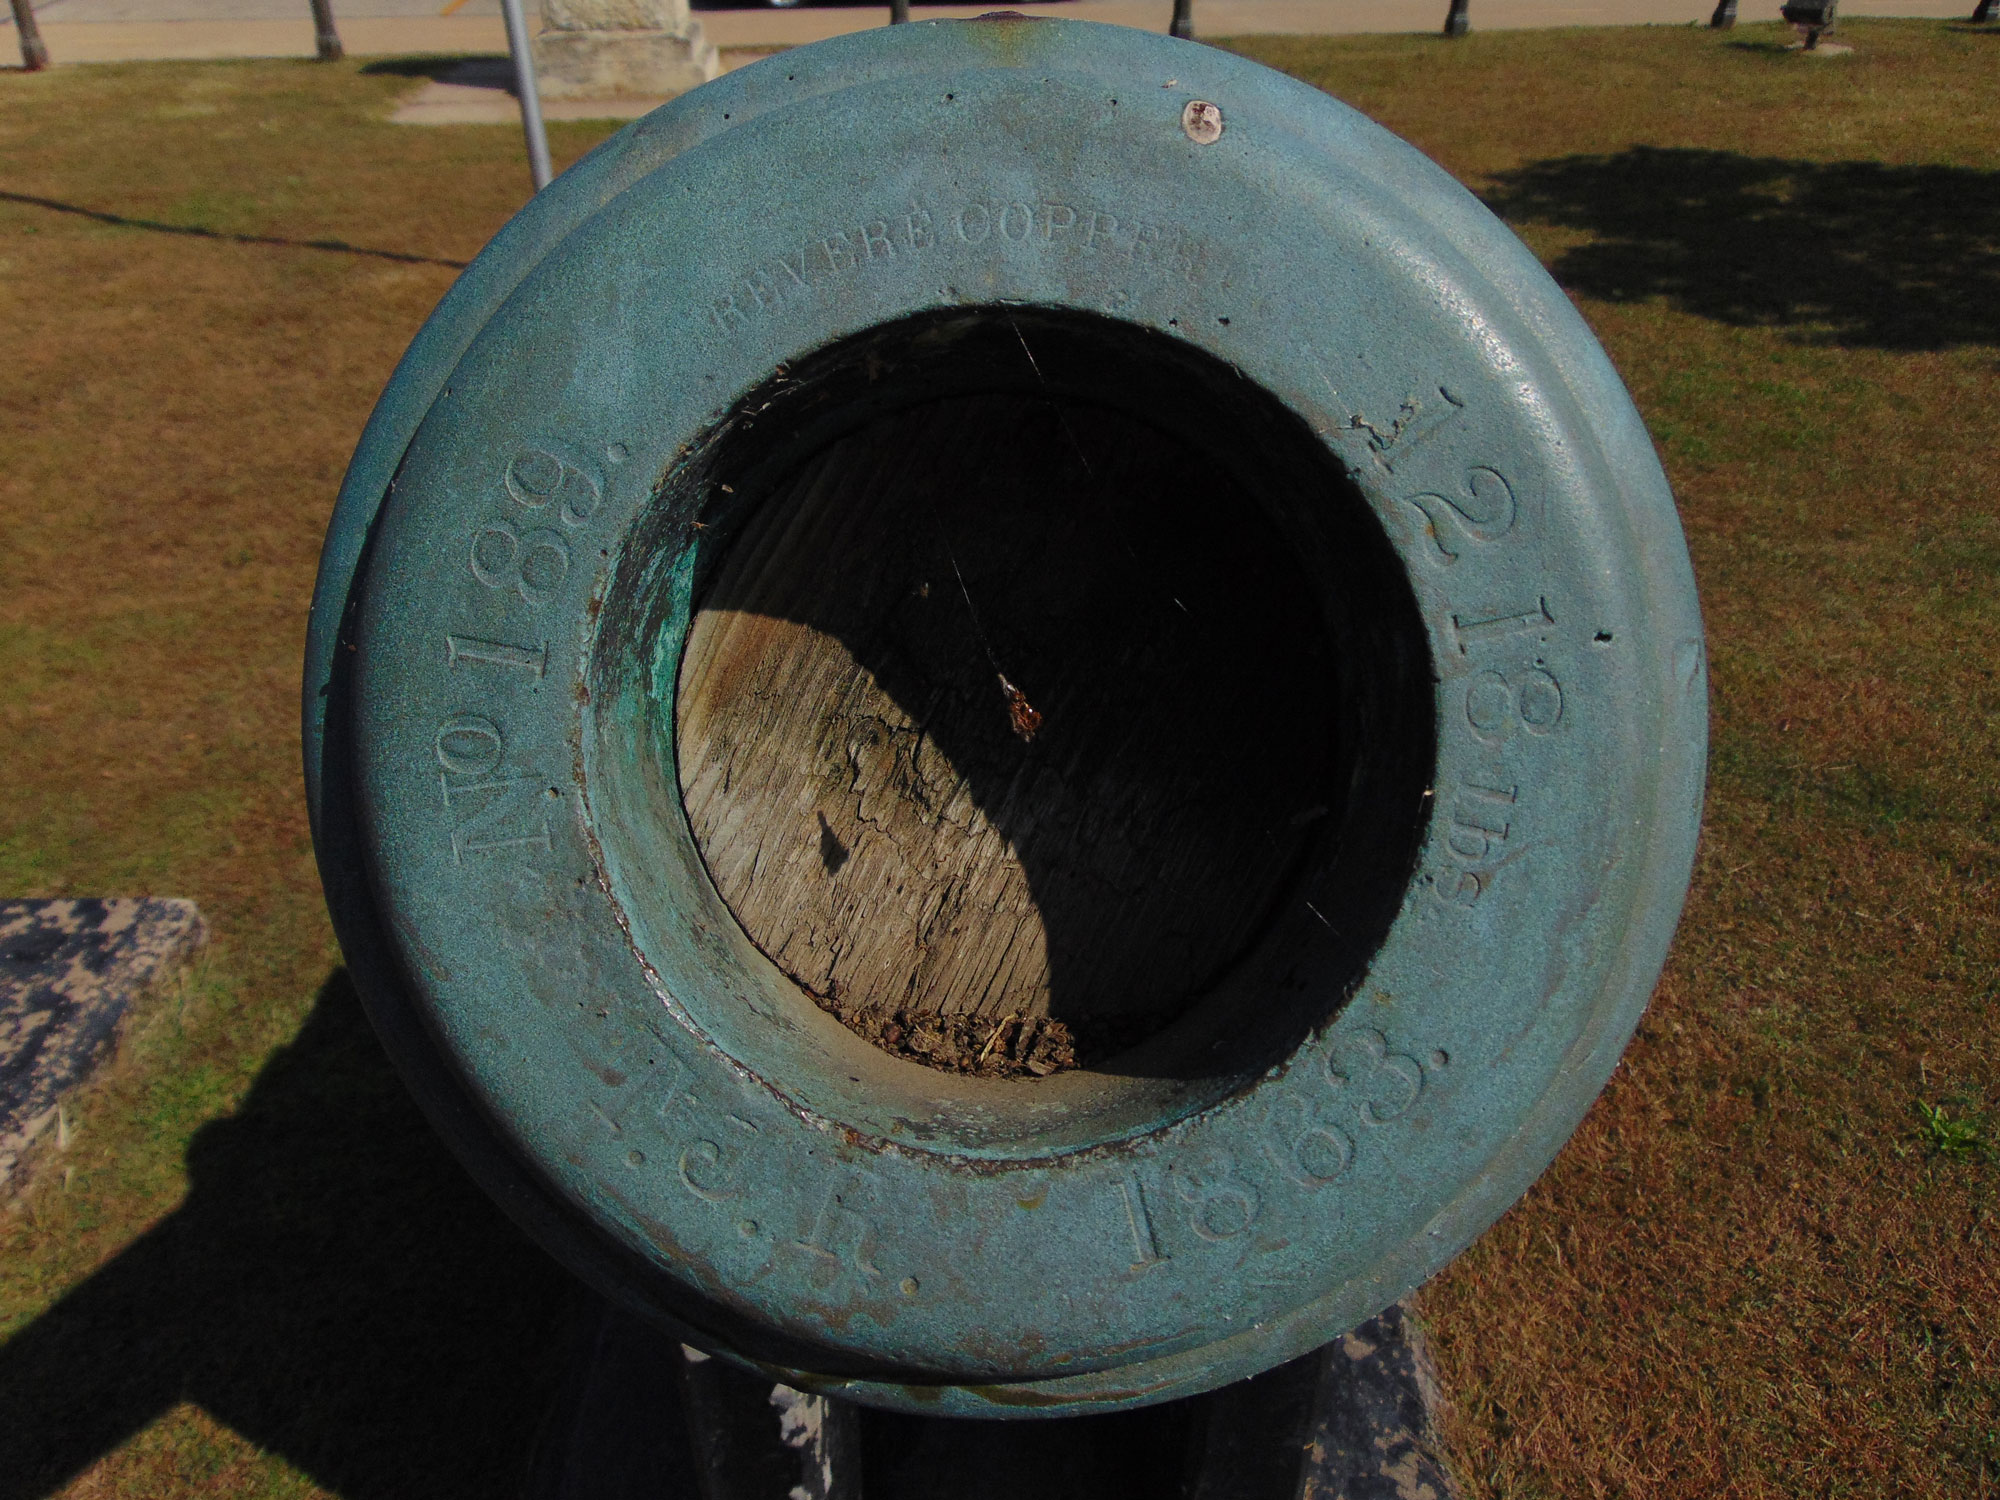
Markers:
point(109, 30)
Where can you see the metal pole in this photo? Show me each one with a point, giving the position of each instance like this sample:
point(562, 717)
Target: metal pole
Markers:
point(325, 38)
point(1455, 21)
point(1183, 22)
point(899, 12)
point(34, 51)
point(524, 90)
point(1724, 17)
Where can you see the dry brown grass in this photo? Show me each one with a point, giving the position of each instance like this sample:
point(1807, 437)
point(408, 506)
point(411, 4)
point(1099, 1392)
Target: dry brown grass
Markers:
point(1748, 1275)
point(176, 410)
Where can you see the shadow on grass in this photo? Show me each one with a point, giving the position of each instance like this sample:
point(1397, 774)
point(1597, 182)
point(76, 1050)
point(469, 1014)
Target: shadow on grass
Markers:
point(334, 1288)
point(196, 231)
point(1855, 253)
point(443, 65)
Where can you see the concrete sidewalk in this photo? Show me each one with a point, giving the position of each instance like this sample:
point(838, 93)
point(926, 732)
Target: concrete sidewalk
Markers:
point(122, 30)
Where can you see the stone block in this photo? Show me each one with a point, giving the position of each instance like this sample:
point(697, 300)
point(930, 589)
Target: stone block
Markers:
point(615, 15)
point(68, 973)
point(623, 64)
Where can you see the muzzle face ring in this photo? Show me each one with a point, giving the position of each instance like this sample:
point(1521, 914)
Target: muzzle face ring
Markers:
point(1404, 397)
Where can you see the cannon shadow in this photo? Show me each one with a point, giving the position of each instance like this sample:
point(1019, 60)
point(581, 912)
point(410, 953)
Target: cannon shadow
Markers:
point(1858, 254)
point(337, 1291)
point(333, 1288)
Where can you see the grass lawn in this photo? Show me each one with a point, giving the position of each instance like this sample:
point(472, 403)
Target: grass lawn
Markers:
point(1767, 1264)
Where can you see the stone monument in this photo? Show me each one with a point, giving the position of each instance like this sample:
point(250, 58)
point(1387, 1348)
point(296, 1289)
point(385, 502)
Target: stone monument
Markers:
point(609, 49)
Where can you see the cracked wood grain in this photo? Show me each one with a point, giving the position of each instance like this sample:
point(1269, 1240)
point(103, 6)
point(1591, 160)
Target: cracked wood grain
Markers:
point(851, 708)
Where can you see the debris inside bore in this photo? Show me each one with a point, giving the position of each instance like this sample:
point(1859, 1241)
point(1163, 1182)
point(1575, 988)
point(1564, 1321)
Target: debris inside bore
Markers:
point(1012, 1046)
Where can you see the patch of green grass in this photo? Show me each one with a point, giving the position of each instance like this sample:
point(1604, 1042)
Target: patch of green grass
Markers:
point(1960, 1137)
